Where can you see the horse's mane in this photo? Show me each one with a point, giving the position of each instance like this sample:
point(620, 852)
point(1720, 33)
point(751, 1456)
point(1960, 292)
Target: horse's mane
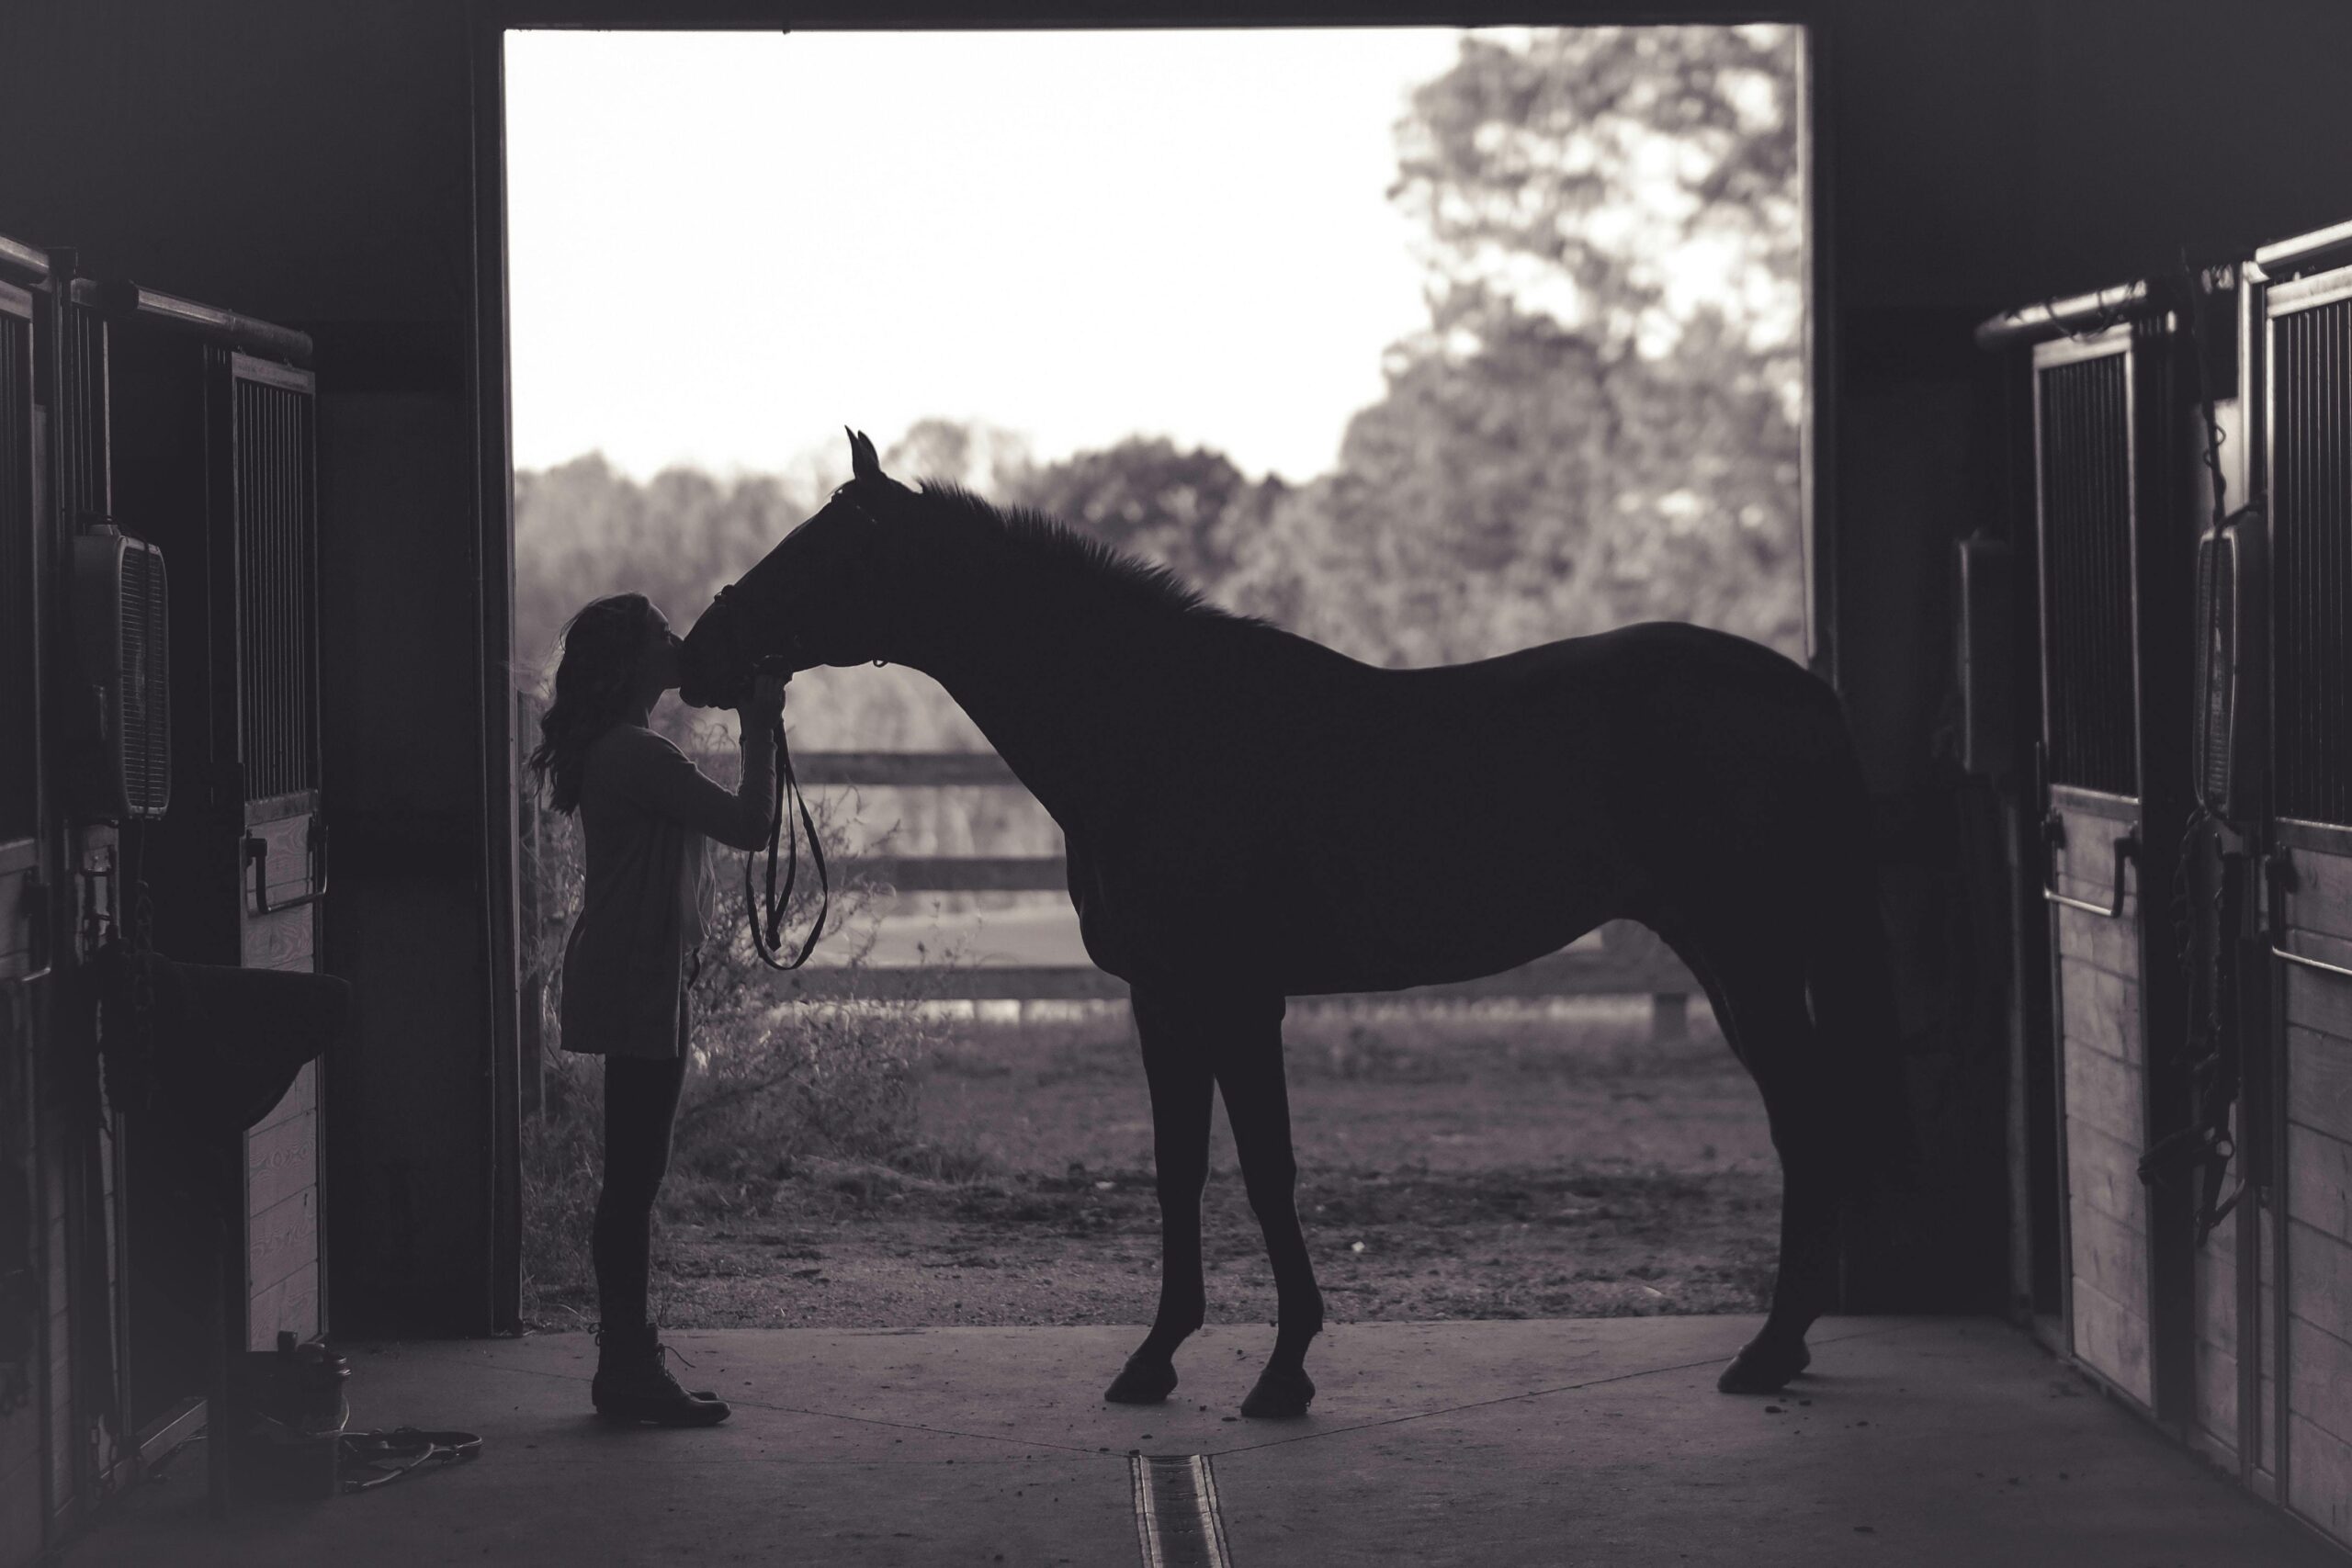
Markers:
point(1024, 538)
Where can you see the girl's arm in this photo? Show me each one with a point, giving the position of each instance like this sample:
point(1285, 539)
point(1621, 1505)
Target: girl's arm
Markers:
point(658, 777)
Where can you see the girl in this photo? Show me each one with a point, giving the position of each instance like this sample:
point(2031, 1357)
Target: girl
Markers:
point(645, 812)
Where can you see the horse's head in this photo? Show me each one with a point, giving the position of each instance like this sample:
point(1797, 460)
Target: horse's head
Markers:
point(825, 594)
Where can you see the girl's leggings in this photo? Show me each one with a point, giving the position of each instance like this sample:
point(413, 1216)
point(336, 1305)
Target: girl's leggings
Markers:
point(641, 1101)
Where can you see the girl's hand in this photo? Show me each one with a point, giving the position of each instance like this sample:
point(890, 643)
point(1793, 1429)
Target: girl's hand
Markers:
point(758, 716)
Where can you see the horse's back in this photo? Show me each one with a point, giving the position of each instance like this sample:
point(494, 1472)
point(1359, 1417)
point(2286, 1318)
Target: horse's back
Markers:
point(1351, 828)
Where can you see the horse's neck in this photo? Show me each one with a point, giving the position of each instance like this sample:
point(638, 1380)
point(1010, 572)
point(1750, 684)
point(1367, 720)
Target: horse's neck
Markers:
point(1042, 691)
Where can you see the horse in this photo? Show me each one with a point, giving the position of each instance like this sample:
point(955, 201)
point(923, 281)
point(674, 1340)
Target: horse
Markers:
point(1250, 816)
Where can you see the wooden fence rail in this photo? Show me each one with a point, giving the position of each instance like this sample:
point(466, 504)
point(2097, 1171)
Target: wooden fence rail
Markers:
point(1623, 959)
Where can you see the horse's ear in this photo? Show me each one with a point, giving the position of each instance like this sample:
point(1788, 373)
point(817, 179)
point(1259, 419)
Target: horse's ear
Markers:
point(865, 463)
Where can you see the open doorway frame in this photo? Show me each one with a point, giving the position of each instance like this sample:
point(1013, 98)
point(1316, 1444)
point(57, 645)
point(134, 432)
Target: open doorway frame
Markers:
point(490, 382)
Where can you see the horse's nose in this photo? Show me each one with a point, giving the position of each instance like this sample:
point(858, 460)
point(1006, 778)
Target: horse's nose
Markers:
point(696, 679)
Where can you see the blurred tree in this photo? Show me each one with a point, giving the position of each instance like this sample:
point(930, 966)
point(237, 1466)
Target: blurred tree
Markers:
point(1601, 421)
point(987, 459)
point(582, 531)
point(1620, 179)
point(1186, 510)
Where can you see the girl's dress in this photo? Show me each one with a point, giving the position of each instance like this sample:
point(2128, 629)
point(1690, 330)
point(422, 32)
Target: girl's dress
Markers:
point(647, 814)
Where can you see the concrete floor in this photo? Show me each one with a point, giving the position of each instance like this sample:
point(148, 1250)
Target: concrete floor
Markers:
point(1602, 1441)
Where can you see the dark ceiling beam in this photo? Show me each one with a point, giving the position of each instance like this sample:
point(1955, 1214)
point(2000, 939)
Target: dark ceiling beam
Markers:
point(846, 15)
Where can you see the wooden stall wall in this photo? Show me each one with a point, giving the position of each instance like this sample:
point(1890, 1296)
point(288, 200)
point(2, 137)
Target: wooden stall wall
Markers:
point(2305, 351)
point(2316, 922)
point(339, 200)
point(214, 461)
point(2094, 510)
point(267, 498)
point(25, 1381)
point(2104, 1058)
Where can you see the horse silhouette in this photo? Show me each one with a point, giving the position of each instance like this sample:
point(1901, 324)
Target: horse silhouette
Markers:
point(1250, 816)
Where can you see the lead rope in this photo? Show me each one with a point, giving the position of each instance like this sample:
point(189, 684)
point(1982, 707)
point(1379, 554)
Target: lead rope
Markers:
point(767, 940)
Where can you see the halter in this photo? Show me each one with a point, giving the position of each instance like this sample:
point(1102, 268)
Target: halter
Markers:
point(768, 940)
point(767, 936)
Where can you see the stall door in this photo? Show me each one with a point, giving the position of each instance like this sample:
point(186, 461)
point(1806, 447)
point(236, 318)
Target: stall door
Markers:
point(24, 1487)
point(267, 411)
point(2107, 567)
point(212, 460)
point(23, 904)
point(2308, 332)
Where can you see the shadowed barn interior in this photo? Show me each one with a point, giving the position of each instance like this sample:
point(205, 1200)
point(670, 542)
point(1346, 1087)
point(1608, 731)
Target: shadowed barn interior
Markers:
point(2076, 547)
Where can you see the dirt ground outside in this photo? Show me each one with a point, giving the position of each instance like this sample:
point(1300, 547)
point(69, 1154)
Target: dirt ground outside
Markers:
point(1470, 1164)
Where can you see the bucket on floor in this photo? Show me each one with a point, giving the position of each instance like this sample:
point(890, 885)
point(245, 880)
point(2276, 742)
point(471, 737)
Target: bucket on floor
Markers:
point(287, 1413)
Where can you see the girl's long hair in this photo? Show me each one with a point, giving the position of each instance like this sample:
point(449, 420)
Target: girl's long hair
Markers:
point(602, 647)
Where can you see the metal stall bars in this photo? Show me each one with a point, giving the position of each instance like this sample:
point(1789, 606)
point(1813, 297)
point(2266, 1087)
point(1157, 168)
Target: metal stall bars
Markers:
point(32, 1386)
point(104, 704)
point(112, 738)
point(2110, 389)
point(83, 700)
point(214, 432)
point(2297, 310)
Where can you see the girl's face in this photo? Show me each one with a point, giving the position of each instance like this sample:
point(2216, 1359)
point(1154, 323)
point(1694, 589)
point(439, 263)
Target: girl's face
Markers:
point(657, 668)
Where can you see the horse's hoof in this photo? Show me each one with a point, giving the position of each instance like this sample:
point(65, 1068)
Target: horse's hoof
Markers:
point(1762, 1367)
point(1280, 1395)
point(1142, 1383)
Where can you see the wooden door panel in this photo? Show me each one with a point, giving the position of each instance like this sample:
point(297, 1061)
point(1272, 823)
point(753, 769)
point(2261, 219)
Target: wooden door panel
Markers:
point(280, 940)
point(281, 1150)
point(281, 1157)
point(289, 1305)
point(284, 1237)
point(2319, 1004)
point(2319, 1081)
point(2100, 1009)
point(285, 871)
point(2216, 1319)
point(2315, 908)
point(2105, 1104)
point(2112, 1337)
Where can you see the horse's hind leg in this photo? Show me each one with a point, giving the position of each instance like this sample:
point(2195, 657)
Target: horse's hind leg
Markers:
point(1176, 1064)
point(1762, 1009)
point(1249, 1059)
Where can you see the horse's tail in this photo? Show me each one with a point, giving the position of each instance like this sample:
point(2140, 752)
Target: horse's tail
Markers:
point(1849, 978)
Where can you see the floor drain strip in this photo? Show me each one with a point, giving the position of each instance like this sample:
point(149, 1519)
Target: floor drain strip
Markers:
point(1177, 1521)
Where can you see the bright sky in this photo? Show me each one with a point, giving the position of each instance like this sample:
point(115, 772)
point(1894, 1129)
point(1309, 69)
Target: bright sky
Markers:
point(724, 247)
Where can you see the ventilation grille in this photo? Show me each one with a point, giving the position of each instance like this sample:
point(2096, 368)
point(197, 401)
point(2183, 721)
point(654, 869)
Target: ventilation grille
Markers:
point(2311, 490)
point(122, 628)
point(144, 722)
point(2086, 478)
point(19, 761)
point(277, 674)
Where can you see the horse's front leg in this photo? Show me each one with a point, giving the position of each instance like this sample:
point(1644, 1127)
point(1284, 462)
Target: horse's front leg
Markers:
point(1257, 1104)
point(1176, 1065)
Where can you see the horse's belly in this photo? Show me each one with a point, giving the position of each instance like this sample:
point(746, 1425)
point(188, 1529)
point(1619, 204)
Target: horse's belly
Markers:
point(1363, 927)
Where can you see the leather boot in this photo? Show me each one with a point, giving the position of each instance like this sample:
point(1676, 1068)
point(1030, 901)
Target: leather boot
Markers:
point(633, 1384)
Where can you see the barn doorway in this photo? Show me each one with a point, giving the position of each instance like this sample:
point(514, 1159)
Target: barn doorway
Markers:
point(1426, 343)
